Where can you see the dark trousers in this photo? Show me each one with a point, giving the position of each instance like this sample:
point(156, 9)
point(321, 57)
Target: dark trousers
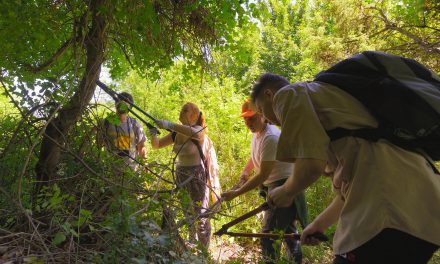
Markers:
point(388, 247)
point(280, 219)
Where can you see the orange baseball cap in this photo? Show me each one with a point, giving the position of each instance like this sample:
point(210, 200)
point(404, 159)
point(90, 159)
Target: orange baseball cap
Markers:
point(246, 109)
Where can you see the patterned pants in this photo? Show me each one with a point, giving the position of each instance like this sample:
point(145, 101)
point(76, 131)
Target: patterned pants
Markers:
point(199, 195)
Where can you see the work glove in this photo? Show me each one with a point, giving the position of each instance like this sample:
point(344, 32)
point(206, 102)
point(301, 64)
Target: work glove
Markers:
point(164, 124)
point(153, 131)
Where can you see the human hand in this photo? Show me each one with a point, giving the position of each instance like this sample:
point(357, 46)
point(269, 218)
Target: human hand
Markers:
point(153, 131)
point(164, 124)
point(143, 153)
point(229, 195)
point(279, 197)
point(307, 234)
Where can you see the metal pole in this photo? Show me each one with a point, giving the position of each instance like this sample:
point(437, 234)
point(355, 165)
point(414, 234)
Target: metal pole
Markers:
point(115, 97)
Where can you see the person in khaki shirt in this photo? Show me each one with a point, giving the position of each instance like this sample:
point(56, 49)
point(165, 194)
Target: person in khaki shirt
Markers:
point(386, 203)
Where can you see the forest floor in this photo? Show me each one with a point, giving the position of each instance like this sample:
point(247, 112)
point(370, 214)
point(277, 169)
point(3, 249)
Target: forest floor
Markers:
point(230, 251)
point(224, 251)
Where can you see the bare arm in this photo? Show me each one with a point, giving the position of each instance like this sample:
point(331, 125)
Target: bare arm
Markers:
point(266, 168)
point(331, 214)
point(244, 177)
point(254, 182)
point(328, 217)
point(141, 150)
point(157, 143)
point(305, 173)
point(193, 132)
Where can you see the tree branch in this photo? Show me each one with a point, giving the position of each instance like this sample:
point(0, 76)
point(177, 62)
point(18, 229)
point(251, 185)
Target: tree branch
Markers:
point(124, 50)
point(429, 47)
point(53, 59)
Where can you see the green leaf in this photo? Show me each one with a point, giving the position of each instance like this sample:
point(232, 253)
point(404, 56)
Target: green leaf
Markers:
point(113, 119)
point(58, 239)
point(84, 215)
point(33, 260)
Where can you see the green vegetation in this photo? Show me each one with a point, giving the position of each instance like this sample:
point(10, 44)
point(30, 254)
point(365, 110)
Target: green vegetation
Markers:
point(65, 199)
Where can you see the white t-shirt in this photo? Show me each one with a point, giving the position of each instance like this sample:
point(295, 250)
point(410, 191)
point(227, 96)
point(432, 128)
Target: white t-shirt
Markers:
point(264, 148)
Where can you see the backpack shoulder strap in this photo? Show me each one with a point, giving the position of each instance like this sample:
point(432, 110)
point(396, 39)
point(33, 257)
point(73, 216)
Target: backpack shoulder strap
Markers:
point(135, 125)
point(196, 142)
point(199, 147)
point(202, 157)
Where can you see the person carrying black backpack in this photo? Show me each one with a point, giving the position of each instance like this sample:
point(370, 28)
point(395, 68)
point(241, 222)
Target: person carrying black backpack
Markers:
point(387, 196)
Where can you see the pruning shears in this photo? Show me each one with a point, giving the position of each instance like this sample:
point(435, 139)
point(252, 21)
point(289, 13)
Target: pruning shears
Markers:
point(116, 97)
point(224, 229)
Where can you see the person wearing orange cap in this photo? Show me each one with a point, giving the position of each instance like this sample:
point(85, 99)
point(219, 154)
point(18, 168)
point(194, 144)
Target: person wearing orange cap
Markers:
point(270, 174)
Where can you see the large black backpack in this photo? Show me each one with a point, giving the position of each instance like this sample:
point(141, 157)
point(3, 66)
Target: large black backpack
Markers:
point(401, 93)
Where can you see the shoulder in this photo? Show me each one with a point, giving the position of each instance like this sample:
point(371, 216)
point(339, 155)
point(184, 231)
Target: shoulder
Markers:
point(270, 139)
point(197, 127)
point(273, 130)
point(134, 122)
point(198, 132)
point(288, 89)
point(298, 88)
point(137, 126)
point(107, 123)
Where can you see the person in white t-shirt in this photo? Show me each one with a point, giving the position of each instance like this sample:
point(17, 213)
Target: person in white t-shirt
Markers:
point(270, 174)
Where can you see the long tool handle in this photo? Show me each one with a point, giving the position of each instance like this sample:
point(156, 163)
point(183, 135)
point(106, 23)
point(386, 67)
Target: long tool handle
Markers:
point(257, 210)
point(319, 236)
point(106, 89)
point(225, 227)
point(114, 95)
point(140, 118)
point(143, 112)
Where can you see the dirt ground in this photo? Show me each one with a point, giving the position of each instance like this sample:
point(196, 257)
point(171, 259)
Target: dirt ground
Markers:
point(225, 251)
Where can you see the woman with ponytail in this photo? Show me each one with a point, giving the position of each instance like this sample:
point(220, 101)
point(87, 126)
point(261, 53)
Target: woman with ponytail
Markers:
point(187, 139)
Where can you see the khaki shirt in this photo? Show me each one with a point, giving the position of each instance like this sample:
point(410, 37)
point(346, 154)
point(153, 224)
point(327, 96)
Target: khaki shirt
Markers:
point(383, 186)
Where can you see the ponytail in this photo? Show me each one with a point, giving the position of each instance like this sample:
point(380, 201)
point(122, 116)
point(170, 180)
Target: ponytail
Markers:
point(201, 122)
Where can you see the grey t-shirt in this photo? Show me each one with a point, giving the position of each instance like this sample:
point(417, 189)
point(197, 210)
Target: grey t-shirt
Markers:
point(124, 138)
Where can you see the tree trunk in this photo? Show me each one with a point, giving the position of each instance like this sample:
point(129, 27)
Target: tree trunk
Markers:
point(95, 41)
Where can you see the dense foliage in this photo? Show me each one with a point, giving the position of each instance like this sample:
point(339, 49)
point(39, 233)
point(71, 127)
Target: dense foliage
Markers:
point(92, 209)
